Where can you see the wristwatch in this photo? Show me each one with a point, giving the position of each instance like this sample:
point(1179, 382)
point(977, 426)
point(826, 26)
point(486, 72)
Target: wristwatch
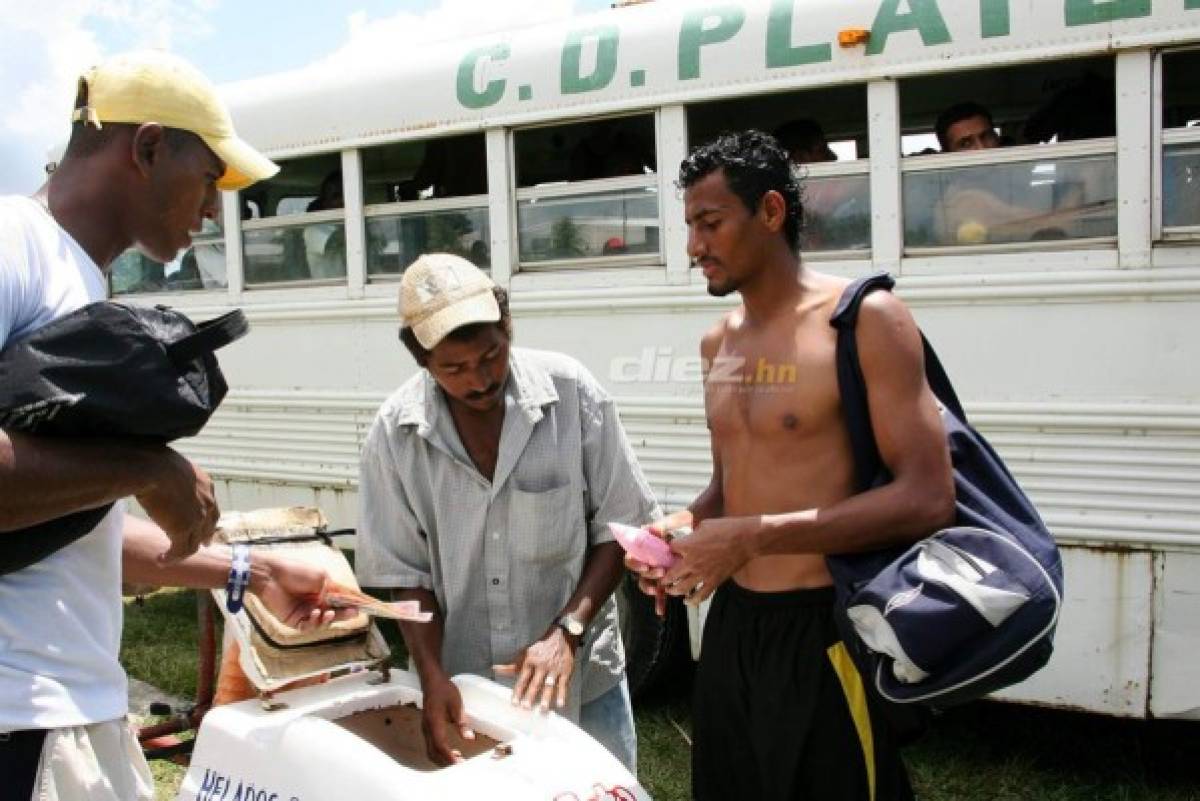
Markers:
point(573, 626)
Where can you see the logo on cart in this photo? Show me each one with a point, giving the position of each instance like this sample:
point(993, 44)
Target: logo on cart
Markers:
point(600, 793)
point(219, 787)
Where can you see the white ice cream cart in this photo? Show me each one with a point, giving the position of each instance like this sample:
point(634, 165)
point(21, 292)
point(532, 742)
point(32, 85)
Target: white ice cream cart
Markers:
point(358, 737)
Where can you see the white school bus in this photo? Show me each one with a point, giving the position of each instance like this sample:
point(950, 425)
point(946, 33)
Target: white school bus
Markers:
point(1065, 303)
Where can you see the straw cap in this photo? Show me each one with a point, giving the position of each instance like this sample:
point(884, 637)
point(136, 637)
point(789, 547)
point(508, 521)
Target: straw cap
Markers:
point(152, 86)
point(441, 292)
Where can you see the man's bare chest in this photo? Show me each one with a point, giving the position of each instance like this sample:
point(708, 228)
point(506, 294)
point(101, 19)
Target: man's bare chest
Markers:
point(782, 388)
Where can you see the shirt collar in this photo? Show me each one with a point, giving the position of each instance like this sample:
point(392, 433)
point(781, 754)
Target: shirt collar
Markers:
point(530, 386)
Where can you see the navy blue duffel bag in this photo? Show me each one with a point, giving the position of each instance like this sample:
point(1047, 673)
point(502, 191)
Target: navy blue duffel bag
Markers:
point(969, 609)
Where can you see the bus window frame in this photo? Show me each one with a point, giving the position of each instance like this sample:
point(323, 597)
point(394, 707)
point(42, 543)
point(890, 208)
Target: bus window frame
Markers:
point(401, 208)
point(1163, 139)
point(836, 169)
point(583, 189)
point(280, 221)
point(217, 237)
point(1016, 154)
point(291, 221)
point(204, 240)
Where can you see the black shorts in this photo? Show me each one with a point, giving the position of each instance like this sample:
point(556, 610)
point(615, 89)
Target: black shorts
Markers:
point(780, 711)
point(20, 756)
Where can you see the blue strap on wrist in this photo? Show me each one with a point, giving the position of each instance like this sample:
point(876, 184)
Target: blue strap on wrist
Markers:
point(239, 578)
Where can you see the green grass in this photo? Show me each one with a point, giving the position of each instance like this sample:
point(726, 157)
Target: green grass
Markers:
point(981, 752)
point(161, 640)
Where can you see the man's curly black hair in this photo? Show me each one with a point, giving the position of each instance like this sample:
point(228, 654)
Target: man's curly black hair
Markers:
point(754, 163)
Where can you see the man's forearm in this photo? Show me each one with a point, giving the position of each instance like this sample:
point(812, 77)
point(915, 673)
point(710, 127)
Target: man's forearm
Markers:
point(602, 572)
point(893, 514)
point(144, 543)
point(709, 503)
point(42, 478)
point(423, 640)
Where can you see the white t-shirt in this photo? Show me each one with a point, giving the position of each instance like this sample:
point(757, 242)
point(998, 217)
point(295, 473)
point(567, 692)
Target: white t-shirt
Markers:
point(60, 619)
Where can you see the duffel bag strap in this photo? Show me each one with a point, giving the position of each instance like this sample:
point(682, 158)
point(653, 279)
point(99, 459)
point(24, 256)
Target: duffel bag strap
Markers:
point(868, 464)
point(210, 335)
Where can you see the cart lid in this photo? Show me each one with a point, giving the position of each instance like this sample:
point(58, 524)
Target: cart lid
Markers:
point(274, 654)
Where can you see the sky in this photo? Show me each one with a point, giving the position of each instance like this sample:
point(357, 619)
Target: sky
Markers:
point(46, 44)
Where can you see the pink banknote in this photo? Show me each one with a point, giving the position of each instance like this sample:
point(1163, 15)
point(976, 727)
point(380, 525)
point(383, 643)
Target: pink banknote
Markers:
point(337, 596)
point(643, 546)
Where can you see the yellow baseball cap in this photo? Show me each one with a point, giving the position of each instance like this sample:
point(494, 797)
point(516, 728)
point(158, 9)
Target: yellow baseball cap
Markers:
point(441, 292)
point(153, 86)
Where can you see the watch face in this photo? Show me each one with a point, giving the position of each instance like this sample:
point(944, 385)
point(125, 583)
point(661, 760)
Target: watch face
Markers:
point(573, 626)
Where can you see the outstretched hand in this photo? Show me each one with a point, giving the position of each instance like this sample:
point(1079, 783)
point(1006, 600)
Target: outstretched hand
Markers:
point(292, 592)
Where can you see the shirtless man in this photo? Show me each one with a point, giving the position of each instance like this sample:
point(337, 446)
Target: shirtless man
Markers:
point(779, 707)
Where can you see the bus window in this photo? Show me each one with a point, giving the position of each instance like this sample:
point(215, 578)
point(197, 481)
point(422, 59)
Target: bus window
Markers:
point(295, 229)
point(1050, 170)
point(202, 266)
point(423, 197)
point(588, 191)
point(824, 132)
point(1181, 143)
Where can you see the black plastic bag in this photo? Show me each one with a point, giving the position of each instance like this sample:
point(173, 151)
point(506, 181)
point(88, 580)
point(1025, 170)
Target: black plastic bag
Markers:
point(109, 370)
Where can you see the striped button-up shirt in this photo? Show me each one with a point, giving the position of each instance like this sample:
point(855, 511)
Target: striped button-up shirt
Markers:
point(502, 556)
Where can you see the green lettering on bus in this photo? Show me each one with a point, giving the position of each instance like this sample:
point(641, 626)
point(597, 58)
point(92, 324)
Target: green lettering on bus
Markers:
point(607, 37)
point(491, 94)
point(693, 35)
point(1089, 12)
point(780, 50)
point(994, 18)
point(923, 16)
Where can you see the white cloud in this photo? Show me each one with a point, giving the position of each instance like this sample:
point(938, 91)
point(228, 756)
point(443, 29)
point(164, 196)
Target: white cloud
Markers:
point(45, 47)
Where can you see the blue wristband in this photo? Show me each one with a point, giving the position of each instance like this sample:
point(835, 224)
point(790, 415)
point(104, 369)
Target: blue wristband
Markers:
point(239, 578)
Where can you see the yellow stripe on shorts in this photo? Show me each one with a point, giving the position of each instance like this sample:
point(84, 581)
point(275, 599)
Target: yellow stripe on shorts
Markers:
point(856, 699)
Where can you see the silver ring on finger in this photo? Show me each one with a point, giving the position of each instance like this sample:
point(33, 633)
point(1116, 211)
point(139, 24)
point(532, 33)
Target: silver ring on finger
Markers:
point(550, 680)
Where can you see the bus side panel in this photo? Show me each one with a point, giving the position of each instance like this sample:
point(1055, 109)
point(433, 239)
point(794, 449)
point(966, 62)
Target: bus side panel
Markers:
point(1175, 681)
point(1105, 625)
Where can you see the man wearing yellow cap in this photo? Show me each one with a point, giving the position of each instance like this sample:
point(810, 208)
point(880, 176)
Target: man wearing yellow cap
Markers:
point(486, 484)
point(150, 146)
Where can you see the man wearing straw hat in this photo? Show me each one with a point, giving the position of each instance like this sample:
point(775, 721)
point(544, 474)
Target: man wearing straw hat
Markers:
point(486, 484)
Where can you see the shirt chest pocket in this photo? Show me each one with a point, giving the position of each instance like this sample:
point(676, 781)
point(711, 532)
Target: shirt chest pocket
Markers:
point(546, 526)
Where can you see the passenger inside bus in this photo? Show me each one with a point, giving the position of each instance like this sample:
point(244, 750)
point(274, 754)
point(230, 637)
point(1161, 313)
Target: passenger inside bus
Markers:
point(966, 126)
point(834, 209)
point(325, 243)
point(1020, 197)
point(330, 195)
point(969, 205)
point(805, 142)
